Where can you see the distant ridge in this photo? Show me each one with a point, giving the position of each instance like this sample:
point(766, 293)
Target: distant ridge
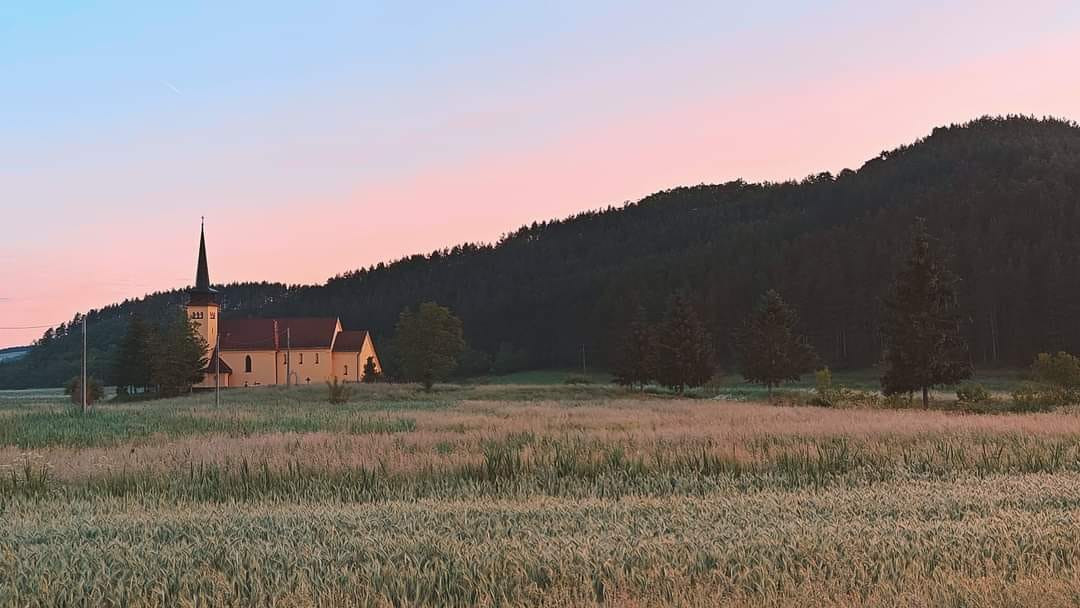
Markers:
point(13, 352)
point(1002, 195)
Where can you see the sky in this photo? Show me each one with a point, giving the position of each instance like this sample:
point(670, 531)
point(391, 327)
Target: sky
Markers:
point(326, 137)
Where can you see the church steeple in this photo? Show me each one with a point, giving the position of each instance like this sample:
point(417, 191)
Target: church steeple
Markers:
point(202, 293)
point(202, 273)
point(203, 306)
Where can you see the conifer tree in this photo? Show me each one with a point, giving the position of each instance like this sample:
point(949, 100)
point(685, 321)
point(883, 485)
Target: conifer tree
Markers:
point(179, 359)
point(924, 343)
point(769, 350)
point(371, 373)
point(633, 364)
point(684, 354)
point(131, 367)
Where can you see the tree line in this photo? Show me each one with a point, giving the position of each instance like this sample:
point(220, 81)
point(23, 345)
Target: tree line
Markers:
point(923, 338)
point(1000, 195)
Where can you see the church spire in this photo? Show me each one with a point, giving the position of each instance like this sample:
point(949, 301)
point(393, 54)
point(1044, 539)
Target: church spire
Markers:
point(202, 274)
point(202, 292)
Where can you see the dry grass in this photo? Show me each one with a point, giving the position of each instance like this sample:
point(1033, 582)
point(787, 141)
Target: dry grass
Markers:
point(1001, 541)
point(404, 500)
point(448, 438)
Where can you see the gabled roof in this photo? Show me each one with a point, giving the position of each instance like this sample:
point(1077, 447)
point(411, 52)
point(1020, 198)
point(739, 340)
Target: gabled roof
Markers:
point(211, 365)
point(276, 334)
point(350, 341)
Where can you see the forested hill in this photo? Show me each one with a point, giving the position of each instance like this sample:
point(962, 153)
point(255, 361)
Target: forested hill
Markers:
point(1001, 195)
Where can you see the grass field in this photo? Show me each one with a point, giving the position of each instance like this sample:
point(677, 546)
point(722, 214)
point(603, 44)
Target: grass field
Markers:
point(532, 495)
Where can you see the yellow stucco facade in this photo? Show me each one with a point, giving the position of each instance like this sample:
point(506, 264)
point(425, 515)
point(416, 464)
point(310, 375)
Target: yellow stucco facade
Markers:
point(267, 352)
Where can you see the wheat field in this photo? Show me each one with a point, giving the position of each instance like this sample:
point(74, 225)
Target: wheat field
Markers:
point(553, 496)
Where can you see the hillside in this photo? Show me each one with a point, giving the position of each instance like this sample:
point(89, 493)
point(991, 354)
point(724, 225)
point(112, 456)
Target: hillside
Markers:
point(1002, 195)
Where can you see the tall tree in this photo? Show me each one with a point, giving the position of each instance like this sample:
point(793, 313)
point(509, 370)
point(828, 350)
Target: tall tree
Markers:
point(769, 350)
point(684, 354)
point(924, 340)
point(634, 359)
point(179, 355)
point(428, 343)
point(131, 366)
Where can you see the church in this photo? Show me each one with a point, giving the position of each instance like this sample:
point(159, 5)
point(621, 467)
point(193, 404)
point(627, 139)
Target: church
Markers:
point(262, 352)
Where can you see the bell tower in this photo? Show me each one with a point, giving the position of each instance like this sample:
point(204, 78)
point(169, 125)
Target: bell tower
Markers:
point(202, 306)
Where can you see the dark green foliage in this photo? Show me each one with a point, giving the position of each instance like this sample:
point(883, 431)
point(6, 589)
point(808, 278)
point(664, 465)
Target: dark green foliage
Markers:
point(509, 359)
point(769, 350)
point(1001, 192)
point(633, 363)
point(923, 332)
point(131, 366)
point(972, 392)
point(179, 355)
point(428, 343)
point(473, 363)
point(684, 352)
point(94, 390)
point(371, 372)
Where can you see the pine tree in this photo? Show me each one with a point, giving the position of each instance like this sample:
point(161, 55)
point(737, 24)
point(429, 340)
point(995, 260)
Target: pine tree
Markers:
point(371, 372)
point(925, 346)
point(684, 348)
point(179, 359)
point(633, 361)
point(769, 350)
point(131, 367)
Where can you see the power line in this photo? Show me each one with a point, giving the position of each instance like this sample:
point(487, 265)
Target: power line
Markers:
point(32, 326)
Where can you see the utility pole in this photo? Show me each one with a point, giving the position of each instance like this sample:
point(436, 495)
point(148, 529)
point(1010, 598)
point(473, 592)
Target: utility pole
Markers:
point(288, 357)
point(583, 373)
point(83, 383)
point(217, 369)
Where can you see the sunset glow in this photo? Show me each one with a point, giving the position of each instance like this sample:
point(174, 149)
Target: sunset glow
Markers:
point(328, 139)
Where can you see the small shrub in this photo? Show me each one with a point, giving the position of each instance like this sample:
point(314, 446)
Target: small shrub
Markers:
point(898, 401)
point(825, 394)
point(339, 391)
point(577, 379)
point(1037, 398)
point(1060, 370)
point(95, 391)
point(972, 392)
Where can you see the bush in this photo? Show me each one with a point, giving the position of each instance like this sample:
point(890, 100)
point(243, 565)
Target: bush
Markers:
point(577, 379)
point(1038, 398)
point(1060, 370)
point(339, 391)
point(95, 391)
point(825, 394)
point(972, 392)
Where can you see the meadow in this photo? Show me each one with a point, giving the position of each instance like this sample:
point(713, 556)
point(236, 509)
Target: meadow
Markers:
point(511, 494)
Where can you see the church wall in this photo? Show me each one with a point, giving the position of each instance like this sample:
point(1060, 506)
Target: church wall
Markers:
point(262, 367)
point(307, 370)
point(355, 362)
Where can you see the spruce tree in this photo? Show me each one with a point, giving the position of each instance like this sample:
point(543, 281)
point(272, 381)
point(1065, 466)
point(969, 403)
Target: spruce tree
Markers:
point(179, 359)
point(131, 367)
point(922, 328)
point(684, 355)
point(371, 373)
point(769, 350)
point(633, 361)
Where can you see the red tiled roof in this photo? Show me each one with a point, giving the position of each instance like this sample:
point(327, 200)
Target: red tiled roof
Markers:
point(271, 334)
point(350, 341)
point(211, 365)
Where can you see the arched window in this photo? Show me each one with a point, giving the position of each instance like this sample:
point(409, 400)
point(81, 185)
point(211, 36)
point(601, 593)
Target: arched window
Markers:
point(247, 364)
point(346, 372)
